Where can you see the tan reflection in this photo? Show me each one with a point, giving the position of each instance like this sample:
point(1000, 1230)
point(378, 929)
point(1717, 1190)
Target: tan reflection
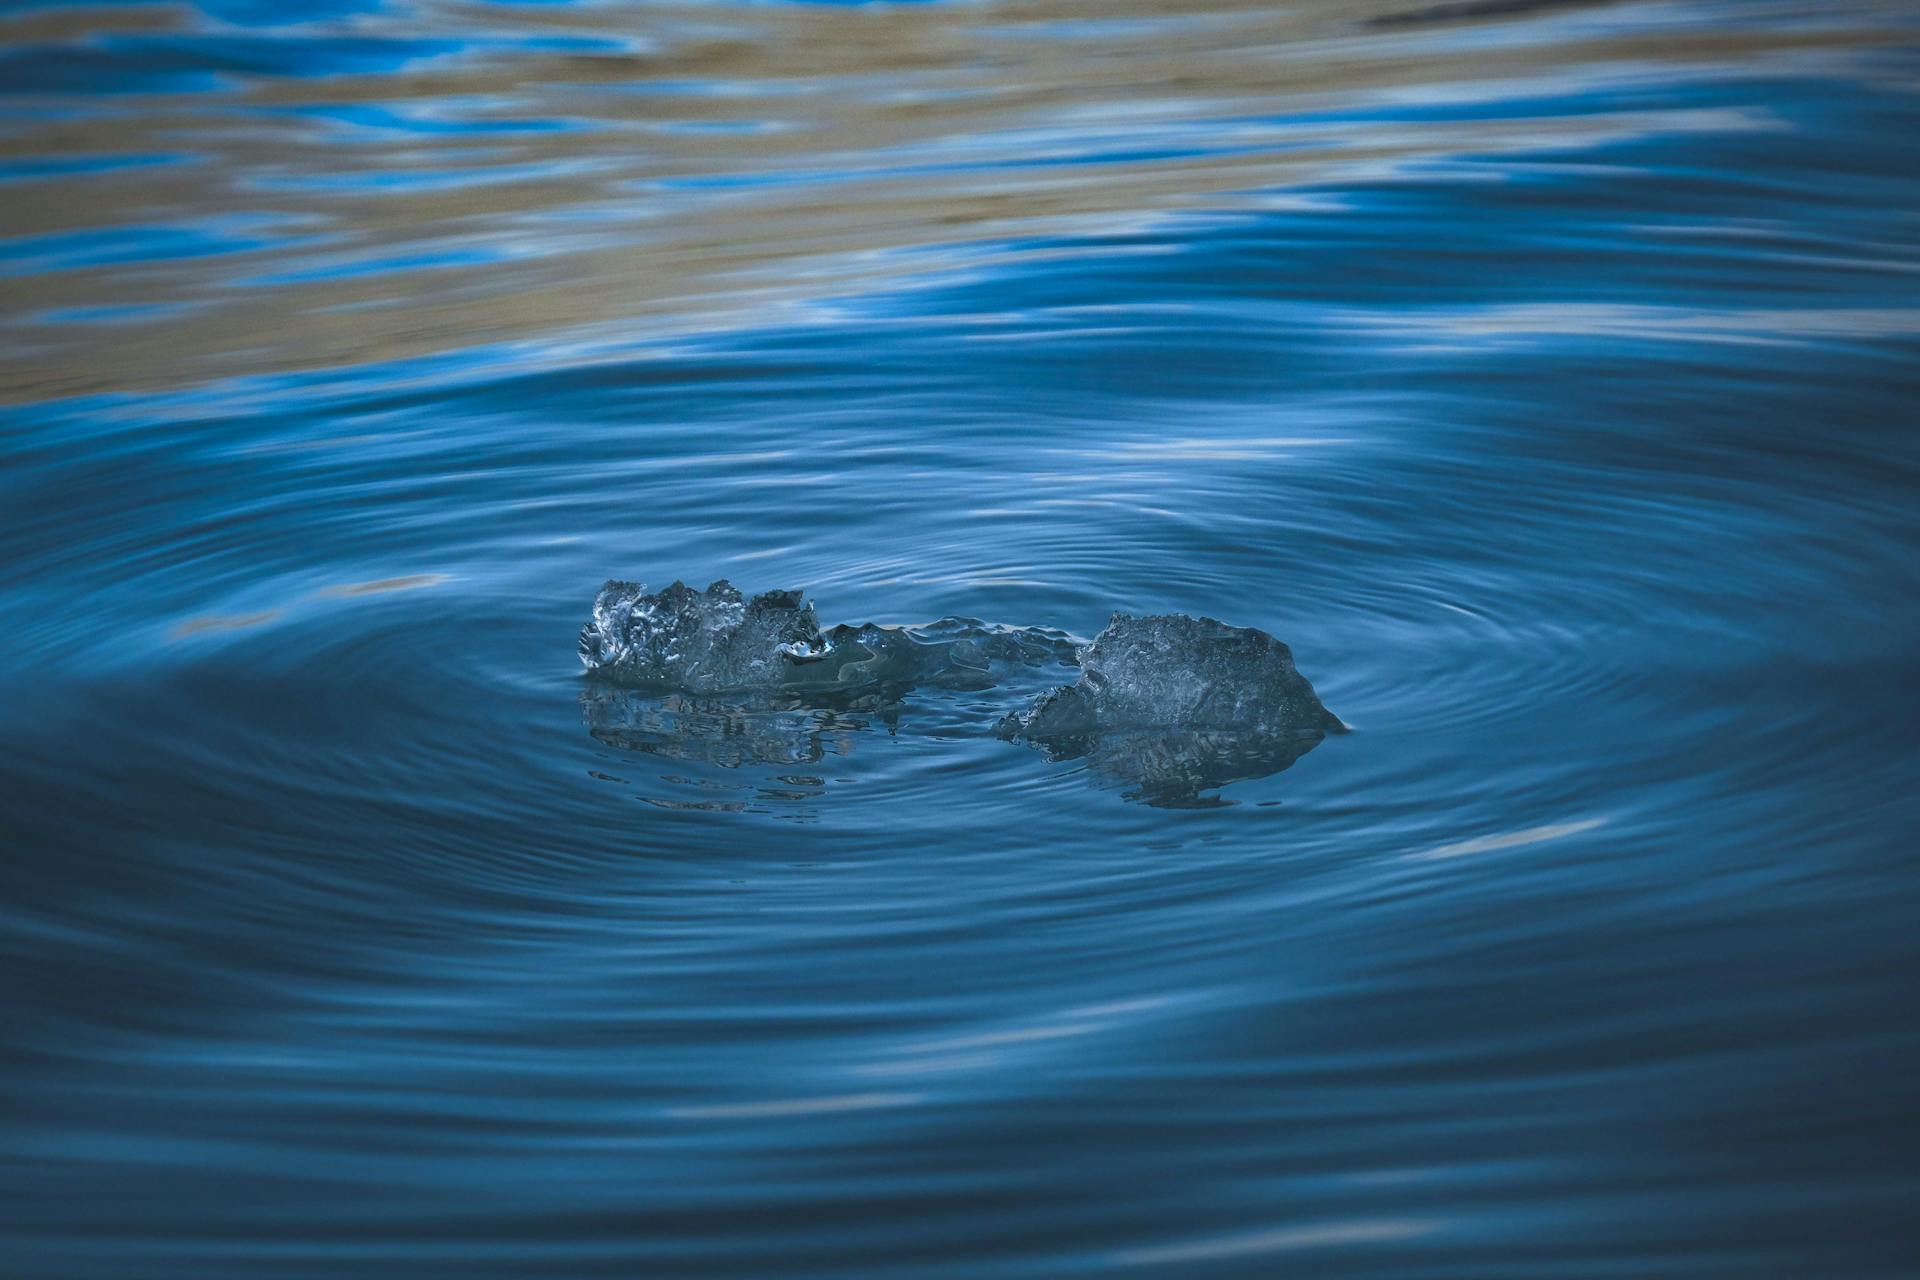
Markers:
point(201, 624)
point(716, 166)
point(380, 586)
point(206, 622)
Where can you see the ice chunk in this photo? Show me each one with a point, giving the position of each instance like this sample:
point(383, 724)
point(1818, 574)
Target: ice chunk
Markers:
point(1173, 706)
point(1168, 707)
point(1173, 671)
point(716, 641)
point(702, 641)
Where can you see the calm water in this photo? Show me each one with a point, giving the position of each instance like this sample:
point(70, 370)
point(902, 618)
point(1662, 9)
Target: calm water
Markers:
point(1545, 376)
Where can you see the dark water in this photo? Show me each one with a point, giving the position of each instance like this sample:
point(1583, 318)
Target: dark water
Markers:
point(1544, 375)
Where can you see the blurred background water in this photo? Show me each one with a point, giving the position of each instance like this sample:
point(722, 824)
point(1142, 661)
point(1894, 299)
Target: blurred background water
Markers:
point(1543, 373)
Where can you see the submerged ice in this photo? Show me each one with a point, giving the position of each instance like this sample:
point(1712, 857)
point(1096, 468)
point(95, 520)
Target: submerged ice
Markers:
point(1167, 706)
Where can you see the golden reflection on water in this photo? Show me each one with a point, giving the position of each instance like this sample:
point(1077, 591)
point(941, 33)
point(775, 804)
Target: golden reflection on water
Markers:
point(201, 624)
point(381, 586)
point(205, 622)
point(691, 168)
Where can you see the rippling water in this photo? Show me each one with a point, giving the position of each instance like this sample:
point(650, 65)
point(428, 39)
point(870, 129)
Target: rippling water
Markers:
point(1543, 373)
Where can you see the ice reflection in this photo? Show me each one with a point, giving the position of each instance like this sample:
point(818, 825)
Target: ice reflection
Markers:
point(782, 731)
point(735, 732)
point(1179, 769)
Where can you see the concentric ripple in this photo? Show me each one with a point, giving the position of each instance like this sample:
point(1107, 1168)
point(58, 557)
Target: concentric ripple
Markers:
point(1540, 373)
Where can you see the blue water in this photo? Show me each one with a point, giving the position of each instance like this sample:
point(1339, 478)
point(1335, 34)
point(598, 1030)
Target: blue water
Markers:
point(1544, 376)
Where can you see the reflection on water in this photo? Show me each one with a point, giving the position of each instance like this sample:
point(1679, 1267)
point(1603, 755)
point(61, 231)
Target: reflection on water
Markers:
point(786, 732)
point(1175, 769)
point(1168, 768)
point(1540, 372)
point(237, 197)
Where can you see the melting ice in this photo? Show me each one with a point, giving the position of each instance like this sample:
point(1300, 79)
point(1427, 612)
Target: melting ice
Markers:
point(1168, 707)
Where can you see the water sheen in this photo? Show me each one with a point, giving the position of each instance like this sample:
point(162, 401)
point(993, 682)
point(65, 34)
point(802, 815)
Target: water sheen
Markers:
point(1542, 373)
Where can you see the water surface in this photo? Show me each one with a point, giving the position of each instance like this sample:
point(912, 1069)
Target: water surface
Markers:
point(1543, 374)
